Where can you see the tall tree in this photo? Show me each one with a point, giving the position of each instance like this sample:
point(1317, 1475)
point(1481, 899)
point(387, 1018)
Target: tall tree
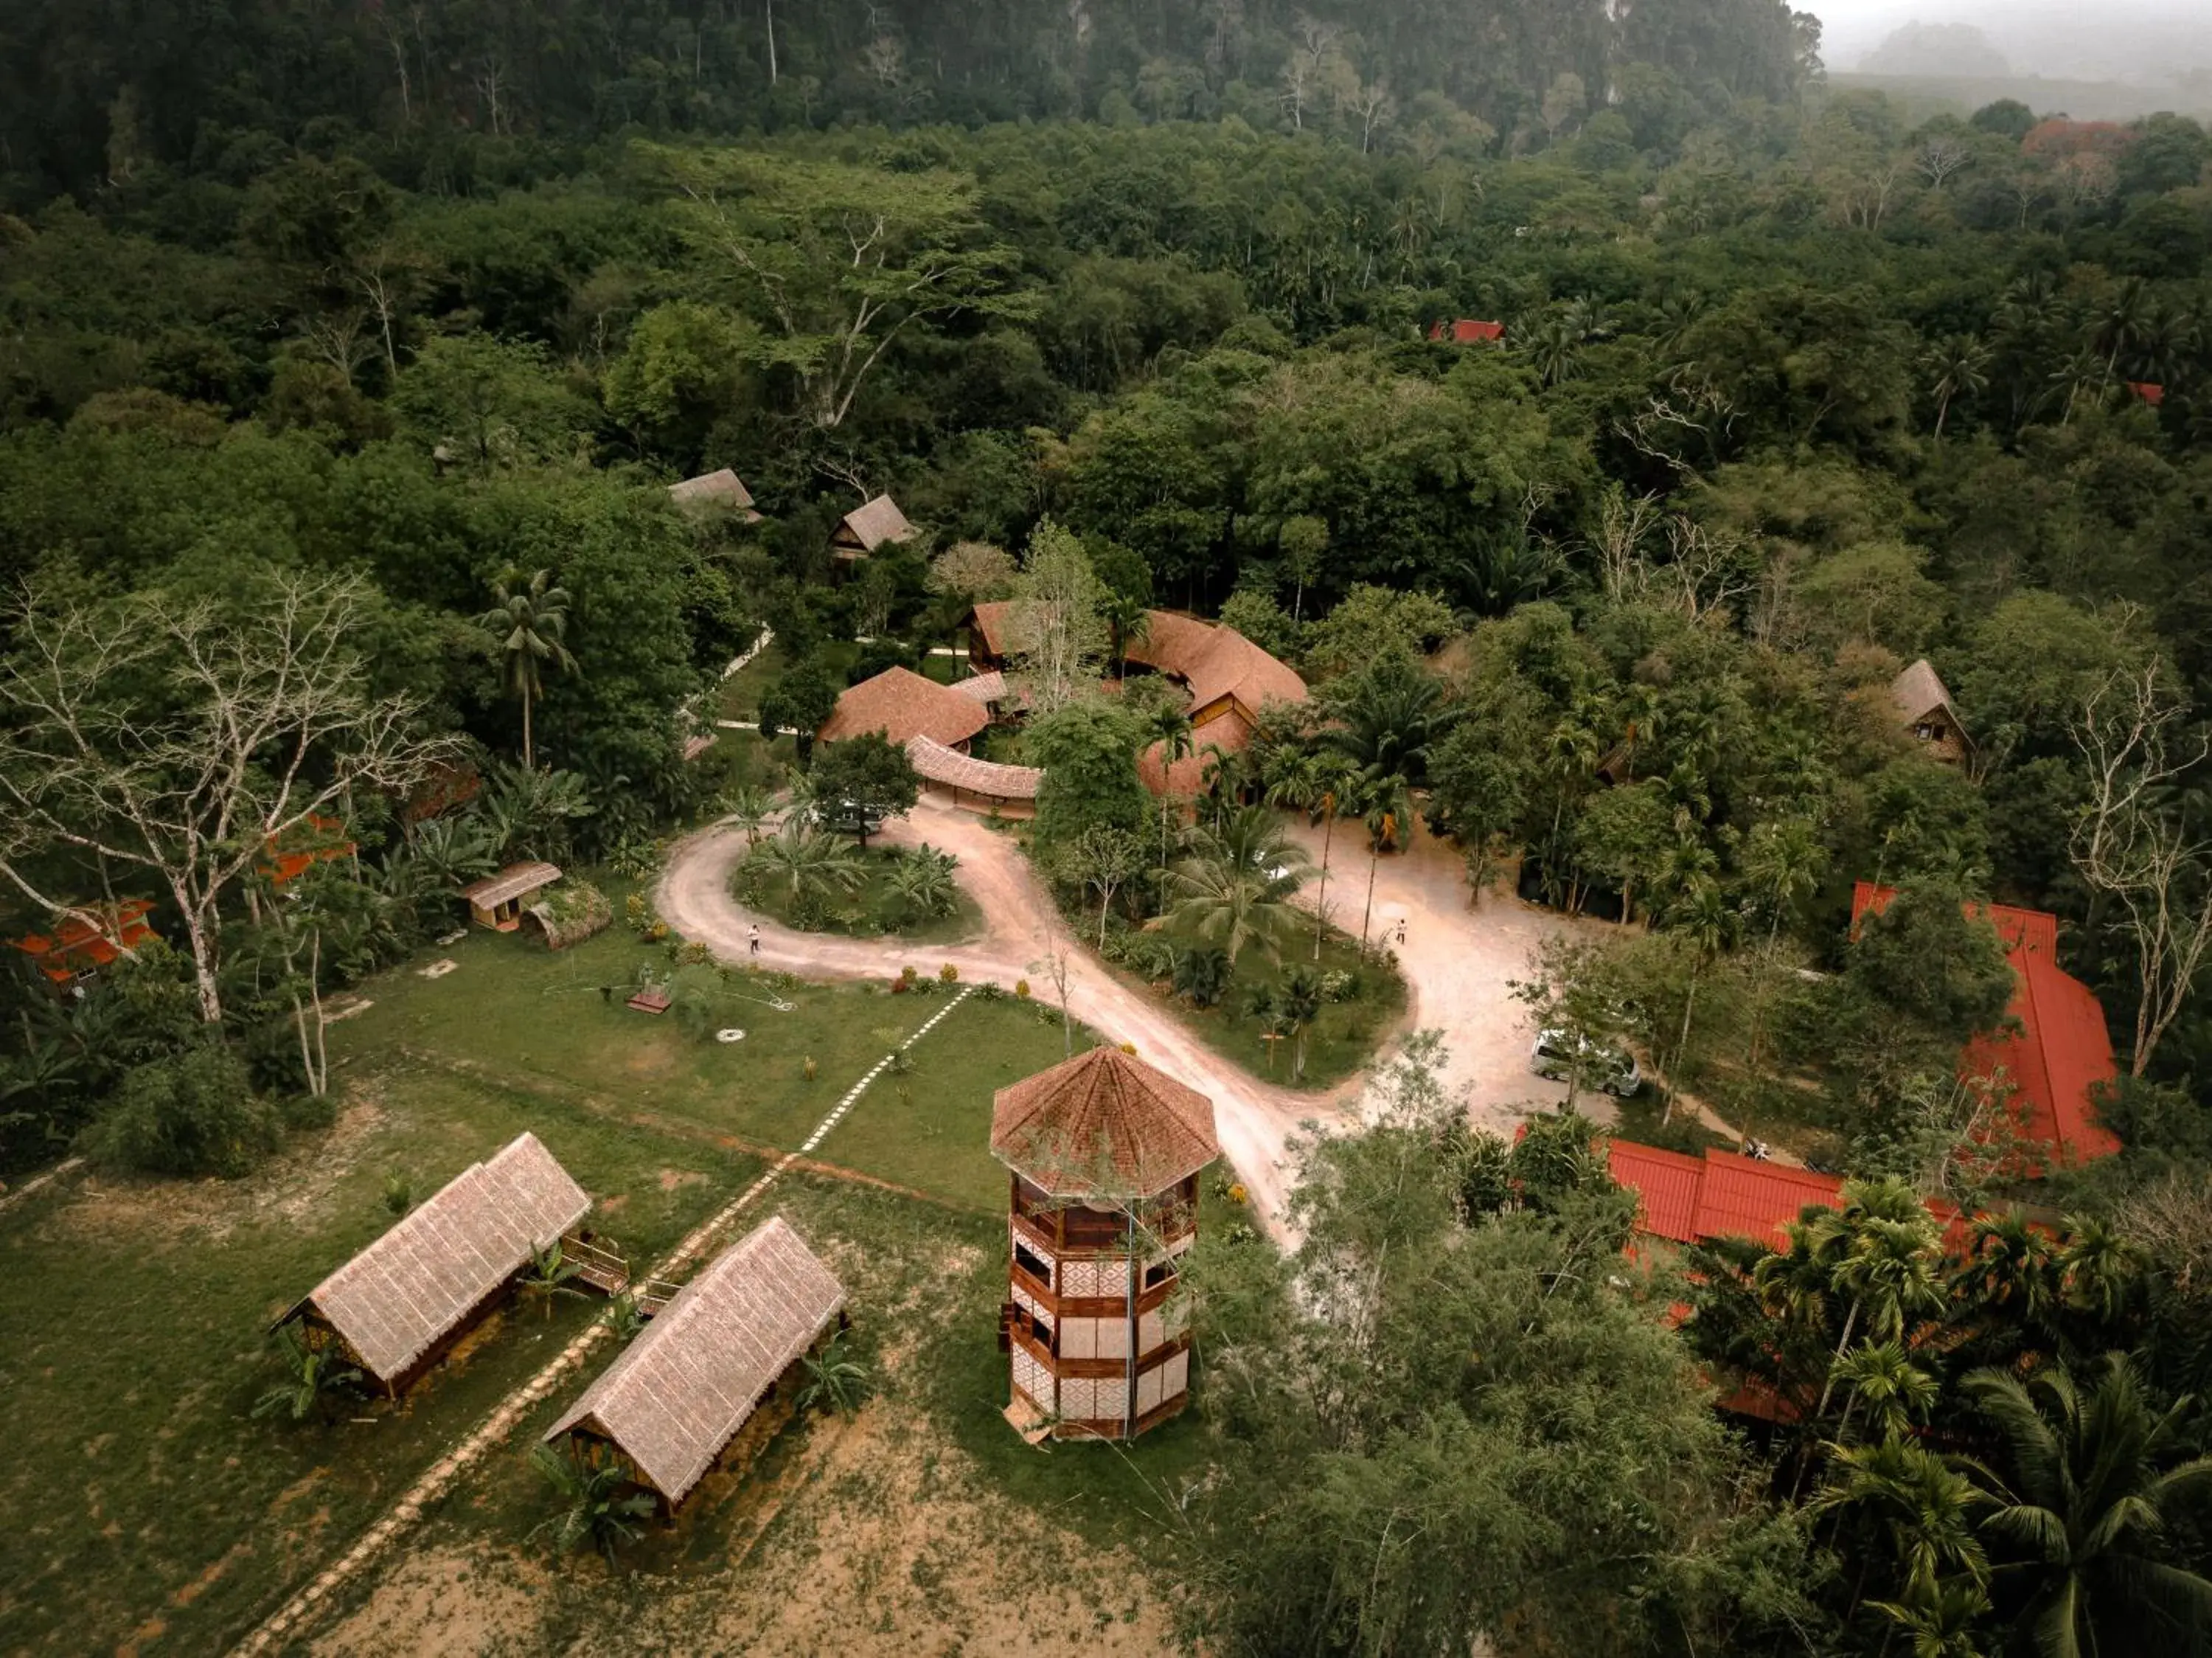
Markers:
point(529, 621)
point(182, 739)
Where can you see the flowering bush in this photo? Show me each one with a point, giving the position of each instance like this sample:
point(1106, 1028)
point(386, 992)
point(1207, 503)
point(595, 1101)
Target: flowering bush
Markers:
point(1021, 989)
point(949, 974)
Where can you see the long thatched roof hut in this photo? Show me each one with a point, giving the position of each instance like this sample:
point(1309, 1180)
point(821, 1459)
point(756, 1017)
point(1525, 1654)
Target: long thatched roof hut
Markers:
point(392, 1307)
point(670, 1405)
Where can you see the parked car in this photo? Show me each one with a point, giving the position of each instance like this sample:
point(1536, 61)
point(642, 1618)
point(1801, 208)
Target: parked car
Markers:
point(1606, 1069)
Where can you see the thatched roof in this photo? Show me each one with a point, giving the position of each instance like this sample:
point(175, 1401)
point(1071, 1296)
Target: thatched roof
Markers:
point(993, 623)
point(866, 529)
point(903, 705)
point(939, 765)
point(402, 1294)
point(1102, 1125)
point(1172, 643)
point(572, 913)
point(986, 688)
point(686, 1386)
point(1919, 692)
point(516, 880)
point(721, 489)
point(1233, 667)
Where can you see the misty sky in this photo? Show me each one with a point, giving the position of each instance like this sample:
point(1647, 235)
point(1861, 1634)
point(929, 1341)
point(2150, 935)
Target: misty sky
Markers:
point(2126, 39)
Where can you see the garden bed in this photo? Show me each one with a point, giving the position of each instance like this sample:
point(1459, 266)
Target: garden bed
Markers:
point(873, 909)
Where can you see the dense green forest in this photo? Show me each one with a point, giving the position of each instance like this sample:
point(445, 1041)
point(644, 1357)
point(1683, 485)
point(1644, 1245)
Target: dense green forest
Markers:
point(345, 354)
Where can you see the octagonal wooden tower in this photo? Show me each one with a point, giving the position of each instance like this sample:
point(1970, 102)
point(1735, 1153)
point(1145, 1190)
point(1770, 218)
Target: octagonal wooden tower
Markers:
point(1106, 1155)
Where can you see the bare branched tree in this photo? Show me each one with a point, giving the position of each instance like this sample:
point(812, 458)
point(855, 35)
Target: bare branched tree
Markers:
point(182, 741)
point(2133, 844)
point(1939, 158)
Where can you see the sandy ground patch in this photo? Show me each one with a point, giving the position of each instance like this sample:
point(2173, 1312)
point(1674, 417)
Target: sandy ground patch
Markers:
point(447, 1601)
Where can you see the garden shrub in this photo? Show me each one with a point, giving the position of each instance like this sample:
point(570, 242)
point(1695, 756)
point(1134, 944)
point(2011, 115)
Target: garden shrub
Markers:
point(195, 1112)
point(949, 973)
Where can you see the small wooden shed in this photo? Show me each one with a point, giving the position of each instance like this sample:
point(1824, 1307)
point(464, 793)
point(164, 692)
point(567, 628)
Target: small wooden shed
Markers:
point(1924, 708)
point(394, 1308)
point(669, 1408)
point(861, 531)
point(499, 902)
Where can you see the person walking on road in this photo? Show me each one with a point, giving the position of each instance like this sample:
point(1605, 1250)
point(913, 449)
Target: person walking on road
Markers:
point(752, 939)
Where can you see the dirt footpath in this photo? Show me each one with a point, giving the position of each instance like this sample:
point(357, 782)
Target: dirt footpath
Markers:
point(1021, 924)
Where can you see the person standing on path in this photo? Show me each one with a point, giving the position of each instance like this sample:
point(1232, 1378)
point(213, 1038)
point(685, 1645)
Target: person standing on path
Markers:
point(752, 939)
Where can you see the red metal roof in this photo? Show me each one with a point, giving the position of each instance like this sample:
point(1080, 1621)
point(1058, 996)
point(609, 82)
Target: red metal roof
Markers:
point(78, 944)
point(1720, 1195)
point(2060, 1050)
point(2148, 391)
point(1466, 332)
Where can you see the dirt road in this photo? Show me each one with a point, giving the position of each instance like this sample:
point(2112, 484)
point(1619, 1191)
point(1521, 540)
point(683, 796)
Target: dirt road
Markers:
point(1021, 926)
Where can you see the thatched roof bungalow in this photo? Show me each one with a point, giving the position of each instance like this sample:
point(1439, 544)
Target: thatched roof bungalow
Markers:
point(1007, 790)
point(903, 705)
point(497, 901)
point(1924, 704)
point(671, 1405)
point(394, 1307)
point(864, 529)
point(723, 489)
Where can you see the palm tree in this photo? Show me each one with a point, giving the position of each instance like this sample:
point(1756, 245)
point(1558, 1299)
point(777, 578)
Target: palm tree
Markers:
point(1315, 784)
point(1941, 1620)
point(749, 808)
point(2101, 1271)
point(1959, 367)
point(1387, 715)
point(1897, 1392)
point(550, 1277)
point(1236, 888)
point(311, 1373)
point(2093, 1481)
point(1700, 913)
point(1298, 1004)
point(1386, 803)
point(530, 622)
point(811, 863)
point(600, 1511)
point(2124, 321)
point(1785, 861)
point(1925, 1504)
point(1170, 729)
point(2011, 1271)
point(923, 883)
point(835, 1380)
point(1130, 620)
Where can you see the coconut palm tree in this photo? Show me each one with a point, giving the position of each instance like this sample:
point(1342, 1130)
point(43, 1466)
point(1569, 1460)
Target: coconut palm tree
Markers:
point(2125, 319)
point(1315, 784)
point(600, 1509)
point(809, 864)
point(1236, 887)
point(311, 1375)
point(1785, 861)
point(1386, 804)
point(2090, 1481)
point(530, 622)
point(1958, 366)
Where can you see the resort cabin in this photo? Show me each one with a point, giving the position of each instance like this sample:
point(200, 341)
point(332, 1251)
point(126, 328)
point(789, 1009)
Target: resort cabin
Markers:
point(394, 1309)
point(1004, 791)
point(499, 902)
point(723, 489)
point(689, 1388)
point(1104, 1154)
point(903, 705)
point(1923, 705)
point(1227, 678)
point(864, 529)
point(86, 940)
point(1466, 331)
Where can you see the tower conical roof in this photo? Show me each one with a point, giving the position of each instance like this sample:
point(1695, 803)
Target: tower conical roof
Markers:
point(1102, 1125)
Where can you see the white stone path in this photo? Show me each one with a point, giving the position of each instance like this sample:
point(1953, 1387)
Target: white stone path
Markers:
point(287, 1621)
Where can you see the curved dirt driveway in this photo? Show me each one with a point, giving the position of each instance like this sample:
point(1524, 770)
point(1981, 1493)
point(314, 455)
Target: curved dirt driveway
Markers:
point(1020, 923)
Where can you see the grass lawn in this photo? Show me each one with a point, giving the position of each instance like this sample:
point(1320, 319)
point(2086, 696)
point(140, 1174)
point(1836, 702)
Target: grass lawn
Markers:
point(1343, 1039)
point(872, 911)
point(740, 694)
point(148, 1506)
point(152, 1513)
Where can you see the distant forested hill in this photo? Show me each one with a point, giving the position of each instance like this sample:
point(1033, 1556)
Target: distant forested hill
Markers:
point(91, 90)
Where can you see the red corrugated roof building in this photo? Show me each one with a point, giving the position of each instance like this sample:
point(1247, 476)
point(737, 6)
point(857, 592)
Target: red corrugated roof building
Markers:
point(2150, 391)
point(291, 854)
point(79, 946)
point(2055, 1050)
point(1466, 332)
point(1720, 1195)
